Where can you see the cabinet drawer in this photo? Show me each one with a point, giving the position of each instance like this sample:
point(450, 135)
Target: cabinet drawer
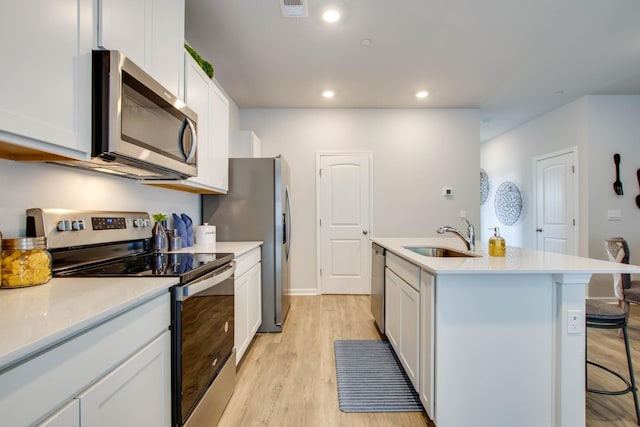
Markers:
point(408, 272)
point(246, 261)
point(43, 384)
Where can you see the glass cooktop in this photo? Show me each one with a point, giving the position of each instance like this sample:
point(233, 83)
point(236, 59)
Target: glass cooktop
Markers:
point(171, 264)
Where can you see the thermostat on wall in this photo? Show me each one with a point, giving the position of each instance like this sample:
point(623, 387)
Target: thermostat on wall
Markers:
point(447, 191)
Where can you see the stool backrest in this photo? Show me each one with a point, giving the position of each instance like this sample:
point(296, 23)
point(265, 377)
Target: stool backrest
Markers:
point(618, 251)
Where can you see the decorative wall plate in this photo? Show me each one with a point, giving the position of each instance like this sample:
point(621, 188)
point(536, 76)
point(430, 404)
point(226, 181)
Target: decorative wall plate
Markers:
point(484, 186)
point(508, 203)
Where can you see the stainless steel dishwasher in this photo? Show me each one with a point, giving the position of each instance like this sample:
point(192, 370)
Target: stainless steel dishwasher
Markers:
point(377, 285)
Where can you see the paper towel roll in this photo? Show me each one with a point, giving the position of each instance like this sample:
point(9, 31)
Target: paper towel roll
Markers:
point(206, 235)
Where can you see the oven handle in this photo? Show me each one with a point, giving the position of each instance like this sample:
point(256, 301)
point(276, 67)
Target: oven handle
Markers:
point(208, 281)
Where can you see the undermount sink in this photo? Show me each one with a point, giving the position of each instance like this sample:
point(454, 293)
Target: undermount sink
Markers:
point(438, 251)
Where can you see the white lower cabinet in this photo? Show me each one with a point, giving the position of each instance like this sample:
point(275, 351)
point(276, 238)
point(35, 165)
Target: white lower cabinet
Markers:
point(402, 307)
point(115, 374)
point(143, 380)
point(427, 335)
point(248, 300)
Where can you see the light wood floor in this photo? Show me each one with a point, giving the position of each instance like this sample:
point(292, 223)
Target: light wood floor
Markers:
point(606, 348)
point(289, 379)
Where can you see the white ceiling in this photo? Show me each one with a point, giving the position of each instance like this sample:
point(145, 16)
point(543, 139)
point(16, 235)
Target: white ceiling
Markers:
point(513, 59)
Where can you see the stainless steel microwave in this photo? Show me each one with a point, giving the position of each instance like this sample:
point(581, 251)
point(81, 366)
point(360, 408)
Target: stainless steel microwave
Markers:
point(139, 128)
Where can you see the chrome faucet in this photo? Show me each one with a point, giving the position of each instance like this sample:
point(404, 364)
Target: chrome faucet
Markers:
point(469, 239)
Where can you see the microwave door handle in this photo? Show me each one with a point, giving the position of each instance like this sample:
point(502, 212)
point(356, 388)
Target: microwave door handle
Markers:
point(208, 282)
point(194, 140)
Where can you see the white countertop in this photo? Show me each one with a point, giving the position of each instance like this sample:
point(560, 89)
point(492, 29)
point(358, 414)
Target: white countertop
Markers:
point(35, 318)
point(518, 260)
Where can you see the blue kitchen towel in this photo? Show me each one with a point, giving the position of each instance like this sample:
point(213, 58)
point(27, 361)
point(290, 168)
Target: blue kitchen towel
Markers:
point(181, 228)
point(189, 224)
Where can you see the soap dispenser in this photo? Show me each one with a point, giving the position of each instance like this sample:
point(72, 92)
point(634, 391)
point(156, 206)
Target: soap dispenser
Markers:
point(497, 245)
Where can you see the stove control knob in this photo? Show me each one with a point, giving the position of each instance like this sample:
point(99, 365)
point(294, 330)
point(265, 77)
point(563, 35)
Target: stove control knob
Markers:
point(138, 223)
point(64, 225)
point(77, 225)
point(146, 223)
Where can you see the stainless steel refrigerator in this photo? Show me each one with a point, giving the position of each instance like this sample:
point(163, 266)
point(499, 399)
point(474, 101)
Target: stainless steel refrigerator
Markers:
point(258, 207)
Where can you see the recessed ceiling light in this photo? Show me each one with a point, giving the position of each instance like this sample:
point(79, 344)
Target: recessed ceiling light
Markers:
point(422, 94)
point(365, 42)
point(331, 15)
point(328, 94)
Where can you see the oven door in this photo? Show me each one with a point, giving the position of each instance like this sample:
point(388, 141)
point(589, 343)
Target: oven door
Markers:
point(202, 337)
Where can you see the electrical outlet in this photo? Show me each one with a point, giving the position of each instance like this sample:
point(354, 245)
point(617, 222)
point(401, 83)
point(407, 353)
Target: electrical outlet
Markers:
point(575, 324)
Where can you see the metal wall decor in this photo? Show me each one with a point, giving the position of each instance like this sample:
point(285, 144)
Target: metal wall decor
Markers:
point(484, 186)
point(508, 203)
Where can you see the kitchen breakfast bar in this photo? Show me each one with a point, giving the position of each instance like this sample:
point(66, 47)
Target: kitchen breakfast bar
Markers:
point(494, 343)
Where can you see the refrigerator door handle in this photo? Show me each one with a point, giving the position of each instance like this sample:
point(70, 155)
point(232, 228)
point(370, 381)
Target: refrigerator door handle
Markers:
point(288, 224)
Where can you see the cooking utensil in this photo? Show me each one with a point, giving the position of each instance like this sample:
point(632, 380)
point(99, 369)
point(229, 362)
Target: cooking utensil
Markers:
point(638, 196)
point(617, 185)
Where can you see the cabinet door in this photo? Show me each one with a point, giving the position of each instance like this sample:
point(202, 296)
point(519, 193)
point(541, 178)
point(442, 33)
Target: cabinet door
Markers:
point(123, 25)
point(392, 309)
point(220, 139)
point(148, 32)
point(241, 335)
point(427, 312)
point(167, 44)
point(255, 300)
point(137, 393)
point(68, 416)
point(46, 76)
point(410, 331)
point(197, 95)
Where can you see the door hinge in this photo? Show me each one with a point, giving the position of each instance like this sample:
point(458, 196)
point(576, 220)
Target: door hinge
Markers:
point(320, 272)
point(320, 222)
point(573, 169)
point(320, 172)
point(574, 222)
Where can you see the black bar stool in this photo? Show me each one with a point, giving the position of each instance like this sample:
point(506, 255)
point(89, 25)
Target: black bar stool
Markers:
point(607, 316)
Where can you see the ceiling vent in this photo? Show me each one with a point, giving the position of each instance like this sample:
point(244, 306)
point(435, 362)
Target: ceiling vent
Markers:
point(294, 8)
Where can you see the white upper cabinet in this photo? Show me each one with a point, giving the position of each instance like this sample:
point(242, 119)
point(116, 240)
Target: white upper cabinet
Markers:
point(150, 33)
point(219, 140)
point(123, 25)
point(245, 143)
point(167, 44)
point(197, 95)
point(46, 79)
point(205, 98)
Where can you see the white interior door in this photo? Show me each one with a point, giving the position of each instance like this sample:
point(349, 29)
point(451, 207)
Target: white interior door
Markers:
point(344, 208)
point(556, 200)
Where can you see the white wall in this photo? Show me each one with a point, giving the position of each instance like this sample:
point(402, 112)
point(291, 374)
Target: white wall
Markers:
point(510, 157)
point(599, 126)
point(613, 127)
point(415, 154)
point(40, 185)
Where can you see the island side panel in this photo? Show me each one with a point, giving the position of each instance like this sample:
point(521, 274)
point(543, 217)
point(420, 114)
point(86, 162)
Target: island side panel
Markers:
point(495, 350)
point(569, 350)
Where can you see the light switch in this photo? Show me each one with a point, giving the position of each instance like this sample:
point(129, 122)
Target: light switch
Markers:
point(614, 215)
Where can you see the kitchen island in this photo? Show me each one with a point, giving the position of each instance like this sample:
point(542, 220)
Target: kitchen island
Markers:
point(495, 346)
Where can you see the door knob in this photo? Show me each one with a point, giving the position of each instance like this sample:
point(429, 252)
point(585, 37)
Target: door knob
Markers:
point(365, 232)
point(539, 230)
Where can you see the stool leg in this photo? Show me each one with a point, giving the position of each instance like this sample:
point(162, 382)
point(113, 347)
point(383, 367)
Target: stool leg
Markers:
point(631, 375)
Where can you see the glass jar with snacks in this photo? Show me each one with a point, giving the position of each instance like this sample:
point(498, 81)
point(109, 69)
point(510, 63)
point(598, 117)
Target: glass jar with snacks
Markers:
point(25, 262)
